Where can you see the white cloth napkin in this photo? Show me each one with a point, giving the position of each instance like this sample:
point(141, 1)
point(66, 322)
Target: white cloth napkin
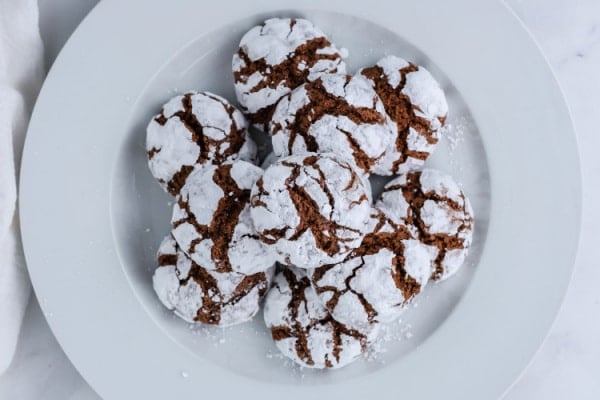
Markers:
point(21, 75)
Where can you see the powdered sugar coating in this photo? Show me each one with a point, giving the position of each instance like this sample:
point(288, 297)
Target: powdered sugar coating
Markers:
point(195, 129)
point(416, 103)
point(211, 219)
point(276, 57)
point(311, 209)
point(335, 113)
point(377, 281)
point(196, 294)
point(435, 207)
point(302, 328)
point(271, 159)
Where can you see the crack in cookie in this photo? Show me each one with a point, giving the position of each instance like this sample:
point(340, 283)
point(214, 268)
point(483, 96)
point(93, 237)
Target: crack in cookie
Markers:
point(303, 330)
point(223, 221)
point(417, 107)
point(336, 113)
point(195, 129)
point(311, 209)
point(324, 230)
point(378, 279)
point(216, 231)
point(451, 211)
point(298, 52)
point(403, 113)
point(199, 295)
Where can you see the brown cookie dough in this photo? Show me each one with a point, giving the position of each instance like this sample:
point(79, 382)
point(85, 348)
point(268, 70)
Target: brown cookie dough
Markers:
point(199, 295)
point(311, 209)
point(211, 219)
point(302, 328)
point(434, 206)
point(195, 129)
point(335, 113)
point(276, 57)
point(417, 105)
point(378, 280)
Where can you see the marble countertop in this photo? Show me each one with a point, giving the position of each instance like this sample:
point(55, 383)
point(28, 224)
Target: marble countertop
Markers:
point(568, 363)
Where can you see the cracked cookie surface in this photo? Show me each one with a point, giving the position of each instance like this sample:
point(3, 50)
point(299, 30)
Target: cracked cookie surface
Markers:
point(276, 57)
point(335, 113)
point(196, 294)
point(211, 219)
point(434, 206)
point(311, 209)
point(416, 103)
point(195, 129)
point(376, 282)
point(302, 328)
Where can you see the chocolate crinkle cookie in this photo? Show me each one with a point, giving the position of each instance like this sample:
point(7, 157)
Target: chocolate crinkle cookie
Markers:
point(312, 209)
point(379, 279)
point(301, 231)
point(195, 129)
point(276, 57)
point(197, 294)
point(434, 206)
point(335, 113)
point(211, 219)
point(302, 328)
point(416, 103)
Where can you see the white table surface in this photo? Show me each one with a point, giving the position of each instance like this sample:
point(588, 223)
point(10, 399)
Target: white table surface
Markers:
point(568, 363)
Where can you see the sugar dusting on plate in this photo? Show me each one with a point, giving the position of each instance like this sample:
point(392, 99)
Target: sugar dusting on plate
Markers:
point(393, 332)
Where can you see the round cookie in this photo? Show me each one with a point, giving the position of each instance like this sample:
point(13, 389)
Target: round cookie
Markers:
point(416, 103)
point(276, 57)
point(311, 209)
point(435, 207)
point(198, 295)
point(211, 219)
point(192, 129)
point(378, 280)
point(302, 328)
point(335, 113)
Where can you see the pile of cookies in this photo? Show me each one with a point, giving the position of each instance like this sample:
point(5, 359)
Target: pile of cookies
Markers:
point(304, 232)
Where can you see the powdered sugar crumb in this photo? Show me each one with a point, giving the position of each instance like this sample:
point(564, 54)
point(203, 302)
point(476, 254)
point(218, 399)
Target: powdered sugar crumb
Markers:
point(389, 333)
point(454, 132)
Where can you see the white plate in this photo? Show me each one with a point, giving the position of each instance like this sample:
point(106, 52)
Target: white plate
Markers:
point(92, 216)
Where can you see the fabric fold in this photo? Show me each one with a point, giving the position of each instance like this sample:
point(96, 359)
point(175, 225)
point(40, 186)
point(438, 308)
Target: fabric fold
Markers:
point(21, 75)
